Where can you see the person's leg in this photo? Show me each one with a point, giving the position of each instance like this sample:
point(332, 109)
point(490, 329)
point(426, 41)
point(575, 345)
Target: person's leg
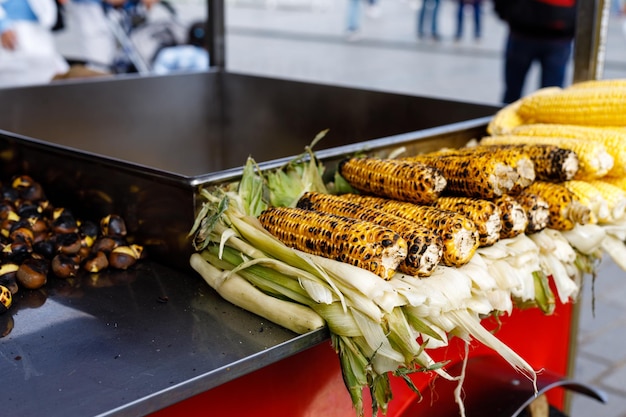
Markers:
point(519, 55)
point(421, 16)
point(354, 7)
point(459, 19)
point(477, 18)
point(554, 58)
point(435, 13)
point(96, 39)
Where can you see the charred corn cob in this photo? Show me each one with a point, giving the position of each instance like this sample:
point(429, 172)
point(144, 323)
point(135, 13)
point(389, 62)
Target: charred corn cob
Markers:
point(591, 197)
point(484, 213)
point(580, 106)
point(565, 209)
point(505, 119)
point(392, 178)
point(359, 243)
point(512, 215)
point(551, 162)
point(614, 196)
point(513, 156)
point(424, 246)
point(537, 211)
point(594, 160)
point(613, 140)
point(458, 233)
point(469, 175)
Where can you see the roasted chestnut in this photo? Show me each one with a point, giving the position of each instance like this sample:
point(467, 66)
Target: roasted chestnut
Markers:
point(65, 266)
point(33, 273)
point(113, 225)
point(6, 299)
point(8, 276)
point(28, 188)
point(96, 262)
point(68, 243)
point(123, 257)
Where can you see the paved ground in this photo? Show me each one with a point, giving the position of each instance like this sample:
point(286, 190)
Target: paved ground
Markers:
point(305, 40)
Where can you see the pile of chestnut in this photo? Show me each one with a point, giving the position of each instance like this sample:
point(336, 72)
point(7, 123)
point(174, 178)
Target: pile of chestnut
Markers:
point(38, 239)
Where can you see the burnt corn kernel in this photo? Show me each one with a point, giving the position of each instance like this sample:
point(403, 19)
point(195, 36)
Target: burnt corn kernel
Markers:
point(348, 240)
point(393, 178)
point(425, 248)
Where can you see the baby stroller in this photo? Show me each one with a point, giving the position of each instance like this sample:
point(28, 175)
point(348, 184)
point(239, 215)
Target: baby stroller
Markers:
point(142, 33)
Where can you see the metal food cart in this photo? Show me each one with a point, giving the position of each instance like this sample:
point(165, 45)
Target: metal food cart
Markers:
point(156, 339)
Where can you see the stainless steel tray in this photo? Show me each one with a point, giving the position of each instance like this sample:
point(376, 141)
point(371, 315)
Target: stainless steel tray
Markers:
point(130, 343)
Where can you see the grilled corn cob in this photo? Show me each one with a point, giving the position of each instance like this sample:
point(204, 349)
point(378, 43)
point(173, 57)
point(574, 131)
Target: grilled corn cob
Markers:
point(565, 209)
point(513, 156)
point(594, 160)
point(613, 140)
point(580, 106)
point(484, 213)
point(614, 196)
point(424, 246)
point(512, 215)
point(359, 243)
point(505, 119)
point(458, 233)
point(392, 178)
point(469, 175)
point(591, 197)
point(537, 211)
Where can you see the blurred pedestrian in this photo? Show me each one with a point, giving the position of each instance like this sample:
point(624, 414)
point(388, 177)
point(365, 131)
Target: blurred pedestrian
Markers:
point(540, 31)
point(88, 21)
point(28, 54)
point(354, 14)
point(477, 9)
point(192, 56)
point(429, 10)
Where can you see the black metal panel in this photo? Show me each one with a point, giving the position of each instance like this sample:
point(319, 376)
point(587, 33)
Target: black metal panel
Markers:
point(196, 124)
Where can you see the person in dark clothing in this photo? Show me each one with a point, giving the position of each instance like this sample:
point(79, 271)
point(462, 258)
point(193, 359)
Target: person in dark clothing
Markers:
point(539, 31)
point(477, 10)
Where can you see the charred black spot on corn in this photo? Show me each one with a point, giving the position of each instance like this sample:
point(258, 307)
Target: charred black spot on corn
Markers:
point(392, 178)
point(360, 243)
point(425, 248)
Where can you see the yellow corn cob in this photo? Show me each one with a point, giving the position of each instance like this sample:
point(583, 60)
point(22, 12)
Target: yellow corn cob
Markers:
point(505, 119)
point(565, 209)
point(458, 233)
point(617, 181)
point(537, 211)
point(608, 83)
point(484, 213)
point(469, 175)
point(424, 246)
point(614, 196)
point(593, 158)
point(613, 140)
point(512, 215)
point(392, 178)
point(359, 243)
point(591, 197)
point(580, 106)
